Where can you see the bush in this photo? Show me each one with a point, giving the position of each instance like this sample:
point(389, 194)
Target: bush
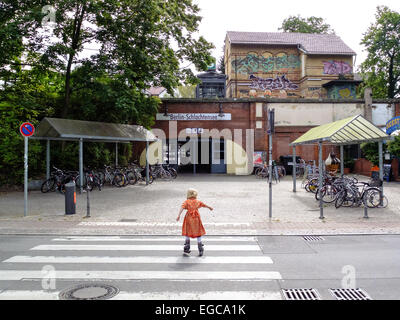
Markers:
point(371, 151)
point(394, 146)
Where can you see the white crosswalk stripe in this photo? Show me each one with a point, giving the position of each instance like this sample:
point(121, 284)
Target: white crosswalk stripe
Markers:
point(123, 295)
point(149, 247)
point(147, 239)
point(114, 258)
point(140, 259)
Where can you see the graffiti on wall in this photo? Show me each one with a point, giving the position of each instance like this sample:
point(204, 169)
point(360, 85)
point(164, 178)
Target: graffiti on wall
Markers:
point(253, 63)
point(279, 83)
point(342, 92)
point(337, 67)
point(313, 92)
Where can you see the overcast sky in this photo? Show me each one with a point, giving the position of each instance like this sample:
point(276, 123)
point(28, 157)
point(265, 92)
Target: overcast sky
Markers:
point(350, 19)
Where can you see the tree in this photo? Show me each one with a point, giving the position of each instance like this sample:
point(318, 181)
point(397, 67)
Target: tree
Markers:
point(381, 69)
point(221, 65)
point(394, 146)
point(306, 25)
point(143, 43)
point(371, 151)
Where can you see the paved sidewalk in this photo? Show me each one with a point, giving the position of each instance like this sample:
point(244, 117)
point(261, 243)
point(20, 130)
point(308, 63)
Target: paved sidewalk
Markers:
point(241, 208)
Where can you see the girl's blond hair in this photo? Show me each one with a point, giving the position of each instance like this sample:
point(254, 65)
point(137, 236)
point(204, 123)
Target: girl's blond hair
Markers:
point(192, 193)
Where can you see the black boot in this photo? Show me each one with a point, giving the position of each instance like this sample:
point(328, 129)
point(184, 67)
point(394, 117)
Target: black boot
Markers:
point(186, 248)
point(201, 249)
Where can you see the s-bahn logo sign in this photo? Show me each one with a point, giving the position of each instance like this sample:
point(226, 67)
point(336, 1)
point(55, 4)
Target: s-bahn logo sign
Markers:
point(194, 117)
point(393, 125)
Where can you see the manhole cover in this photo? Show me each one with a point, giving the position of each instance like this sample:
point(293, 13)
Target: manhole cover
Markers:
point(89, 292)
point(128, 220)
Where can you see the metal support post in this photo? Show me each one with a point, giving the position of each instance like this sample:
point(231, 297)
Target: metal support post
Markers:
point(26, 176)
point(321, 206)
point(116, 154)
point(365, 209)
point(48, 160)
point(294, 169)
point(81, 165)
point(381, 169)
point(194, 153)
point(270, 175)
point(341, 160)
point(147, 164)
point(87, 202)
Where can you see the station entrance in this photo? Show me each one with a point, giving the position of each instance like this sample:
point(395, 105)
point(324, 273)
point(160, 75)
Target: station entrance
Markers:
point(196, 155)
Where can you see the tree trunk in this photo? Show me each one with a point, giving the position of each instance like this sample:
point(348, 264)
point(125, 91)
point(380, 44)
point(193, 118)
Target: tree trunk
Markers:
point(392, 83)
point(79, 15)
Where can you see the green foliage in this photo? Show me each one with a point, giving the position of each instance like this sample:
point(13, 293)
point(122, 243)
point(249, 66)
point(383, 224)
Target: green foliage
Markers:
point(306, 25)
point(349, 163)
point(394, 146)
point(142, 44)
point(221, 65)
point(381, 69)
point(371, 151)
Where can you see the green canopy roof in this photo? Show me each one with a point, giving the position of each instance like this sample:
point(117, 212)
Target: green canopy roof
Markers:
point(353, 130)
point(67, 129)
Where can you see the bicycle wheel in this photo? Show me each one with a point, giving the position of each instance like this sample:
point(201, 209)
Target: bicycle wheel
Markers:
point(165, 175)
point(329, 193)
point(131, 177)
point(313, 185)
point(173, 173)
point(385, 202)
point(372, 197)
point(340, 199)
point(48, 185)
point(119, 180)
point(101, 177)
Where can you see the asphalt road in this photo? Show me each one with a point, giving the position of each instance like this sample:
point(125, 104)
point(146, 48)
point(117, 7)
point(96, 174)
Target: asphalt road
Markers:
point(233, 267)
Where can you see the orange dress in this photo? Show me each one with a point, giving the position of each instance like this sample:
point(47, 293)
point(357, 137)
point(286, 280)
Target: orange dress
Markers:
point(192, 225)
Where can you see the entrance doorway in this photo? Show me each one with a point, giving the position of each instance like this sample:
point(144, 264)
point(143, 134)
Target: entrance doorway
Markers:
point(197, 155)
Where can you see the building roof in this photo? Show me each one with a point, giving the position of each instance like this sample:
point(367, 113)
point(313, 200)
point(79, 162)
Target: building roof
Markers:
point(155, 91)
point(341, 82)
point(309, 42)
point(72, 130)
point(353, 130)
point(211, 75)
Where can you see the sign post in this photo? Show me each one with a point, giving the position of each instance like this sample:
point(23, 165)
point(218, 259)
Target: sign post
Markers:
point(271, 131)
point(27, 130)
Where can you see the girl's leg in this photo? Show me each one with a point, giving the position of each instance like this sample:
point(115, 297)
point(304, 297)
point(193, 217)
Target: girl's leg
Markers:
point(200, 246)
point(186, 248)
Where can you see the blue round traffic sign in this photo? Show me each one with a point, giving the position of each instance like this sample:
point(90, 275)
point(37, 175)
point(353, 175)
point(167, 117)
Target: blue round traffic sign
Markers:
point(27, 129)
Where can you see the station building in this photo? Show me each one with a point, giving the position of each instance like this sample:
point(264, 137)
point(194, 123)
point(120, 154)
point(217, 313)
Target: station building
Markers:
point(307, 79)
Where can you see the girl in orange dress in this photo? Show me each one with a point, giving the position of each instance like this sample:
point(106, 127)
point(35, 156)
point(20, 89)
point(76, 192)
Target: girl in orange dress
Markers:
point(192, 226)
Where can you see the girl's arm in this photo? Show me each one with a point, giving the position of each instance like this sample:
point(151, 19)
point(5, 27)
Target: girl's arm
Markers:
point(209, 207)
point(179, 215)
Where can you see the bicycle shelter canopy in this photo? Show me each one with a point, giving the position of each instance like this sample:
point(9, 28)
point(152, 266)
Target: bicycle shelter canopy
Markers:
point(353, 130)
point(75, 130)
point(54, 129)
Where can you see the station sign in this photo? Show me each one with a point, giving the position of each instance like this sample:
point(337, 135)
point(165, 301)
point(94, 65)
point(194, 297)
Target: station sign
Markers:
point(194, 117)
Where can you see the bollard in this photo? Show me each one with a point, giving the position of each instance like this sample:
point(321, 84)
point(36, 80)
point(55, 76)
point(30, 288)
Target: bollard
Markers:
point(365, 209)
point(88, 202)
point(70, 198)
